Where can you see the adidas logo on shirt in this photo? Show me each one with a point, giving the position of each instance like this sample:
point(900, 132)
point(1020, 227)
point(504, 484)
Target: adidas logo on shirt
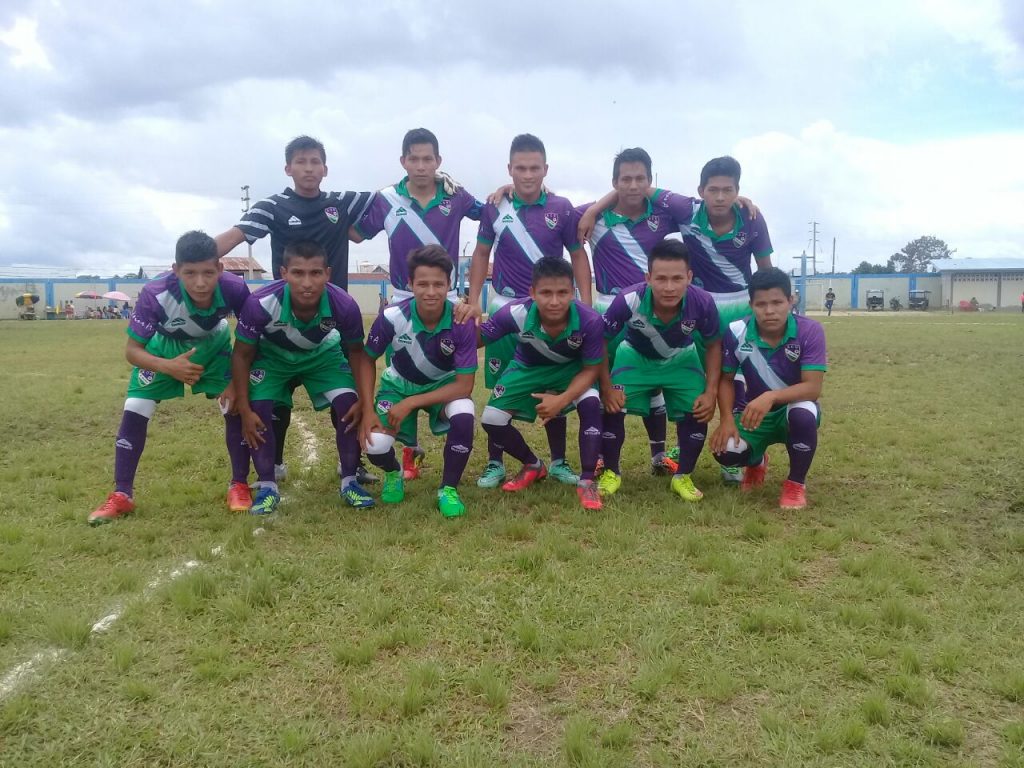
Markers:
point(294, 221)
point(405, 338)
point(506, 219)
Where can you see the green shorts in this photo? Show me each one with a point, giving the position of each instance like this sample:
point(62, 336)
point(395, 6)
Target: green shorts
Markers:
point(213, 353)
point(680, 379)
point(274, 376)
point(514, 391)
point(498, 354)
point(730, 308)
point(774, 429)
point(393, 391)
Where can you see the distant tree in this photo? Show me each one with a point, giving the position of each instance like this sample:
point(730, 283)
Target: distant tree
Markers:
point(867, 268)
point(141, 275)
point(917, 255)
point(89, 277)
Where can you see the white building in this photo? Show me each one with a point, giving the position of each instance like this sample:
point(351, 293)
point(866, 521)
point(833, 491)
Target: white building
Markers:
point(997, 283)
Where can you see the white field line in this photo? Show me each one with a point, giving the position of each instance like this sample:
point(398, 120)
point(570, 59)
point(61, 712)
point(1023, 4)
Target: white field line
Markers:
point(310, 455)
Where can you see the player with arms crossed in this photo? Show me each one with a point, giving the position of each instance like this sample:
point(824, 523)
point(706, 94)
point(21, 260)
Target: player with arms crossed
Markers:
point(432, 368)
point(293, 330)
point(558, 354)
point(783, 358)
point(178, 335)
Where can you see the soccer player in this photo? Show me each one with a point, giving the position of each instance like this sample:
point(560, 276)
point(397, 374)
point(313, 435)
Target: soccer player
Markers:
point(293, 330)
point(783, 357)
point(432, 368)
point(532, 225)
point(830, 299)
point(662, 317)
point(302, 212)
point(559, 350)
point(178, 335)
point(424, 208)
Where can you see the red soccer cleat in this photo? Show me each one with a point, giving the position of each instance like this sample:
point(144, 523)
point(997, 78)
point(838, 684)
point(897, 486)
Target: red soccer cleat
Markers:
point(753, 477)
point(794, 495)
point(589, 496)
point(526, 477)
point(117, 505)
point(239, 497)
point(412, 458)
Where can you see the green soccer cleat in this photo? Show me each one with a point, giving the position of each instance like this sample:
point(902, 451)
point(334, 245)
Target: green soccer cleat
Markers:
point(682, 485)
point(266, 501)
point(394, 487)
point(356, 496)
point(562, 472)
point(449, 503)
point(493, 476)
point(608, 483)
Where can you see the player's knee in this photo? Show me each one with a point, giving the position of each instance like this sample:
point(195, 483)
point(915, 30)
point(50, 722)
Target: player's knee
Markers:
point(461, 407)
point(736, 453)
point(379, 444)
point(340, 399)
point(141, 406)
point(495, 417)
point(804, 413)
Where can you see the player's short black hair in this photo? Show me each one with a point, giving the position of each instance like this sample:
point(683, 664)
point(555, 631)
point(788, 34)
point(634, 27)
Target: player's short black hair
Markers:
point(669, 249)
point(302, 143)
point(550, 266)
point(303, 249)
point(527, 142)
point(766, 279)
point(430, 256)
point(721, 166)
point(632, 155)
point(419, 136)
point(194, 247)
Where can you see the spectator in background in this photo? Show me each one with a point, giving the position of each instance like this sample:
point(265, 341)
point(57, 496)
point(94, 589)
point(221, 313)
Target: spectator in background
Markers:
point(125, 311)
point(830, 299)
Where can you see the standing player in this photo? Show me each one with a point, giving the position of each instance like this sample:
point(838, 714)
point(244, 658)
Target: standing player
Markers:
point(432, 368)
point(530, 226)
point(830, 300)
point(559, 350)
point(662, 318)
point(178, 335)
point(293, 331)
point(302, 212)
point(424, 208)
point(783, 358)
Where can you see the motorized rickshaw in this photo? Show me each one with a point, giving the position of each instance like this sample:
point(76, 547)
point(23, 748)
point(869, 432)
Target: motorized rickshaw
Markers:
point(918, 299)
point(875, 299)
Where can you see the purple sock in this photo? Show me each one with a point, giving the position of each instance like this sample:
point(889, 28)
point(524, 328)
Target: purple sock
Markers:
point(238, 451)
point(691, 435)
point(281, 419)
point(556, 429)
point(802, 443)
point(347, 442)
point(511, 441)
point(386, 461)
point(657, 428)
point(589, 410)
point(456, 449)
point(612, 439)
point(131, 440)
point(494, 451)
point(263, 457)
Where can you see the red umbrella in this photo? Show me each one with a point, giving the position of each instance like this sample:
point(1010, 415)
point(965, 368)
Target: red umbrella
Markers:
point(87, 295)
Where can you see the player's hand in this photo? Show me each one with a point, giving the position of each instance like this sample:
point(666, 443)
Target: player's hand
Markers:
point(352, 416)
point(369, 425)
point(465, 311)
point(720, 437)
point(253, 429)
point(396, 415)
point(226, 400)
point(614, 399)
point(500, 194)
point(586, 226)
point(549, 407)
point(747, 203)
point(704, 408)
point(756, 410)
point(183, 369)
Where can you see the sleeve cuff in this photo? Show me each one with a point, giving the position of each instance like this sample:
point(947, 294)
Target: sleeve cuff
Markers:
point(813, 368)
point(728, 369)
point(136, 336)
point(244, 339)
point(484, 240)
point(466, 370)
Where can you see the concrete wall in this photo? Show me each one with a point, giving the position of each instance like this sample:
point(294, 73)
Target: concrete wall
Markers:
point(851, 290)
point(998, 289)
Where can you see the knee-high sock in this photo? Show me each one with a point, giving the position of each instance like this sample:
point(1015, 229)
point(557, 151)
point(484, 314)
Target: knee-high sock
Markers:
point(263, 457)
point(802, 443)
point(556, 430)
point(657, 428)
point(131, 440)
point(494, 451)
point(612, 439)
point(739, 392)
point(238, 451)
point(511, 441)
point(691, 435)
point(589, 410)
point(282, 417)
point(456, 449)
point(386, 461)
point(347, 442)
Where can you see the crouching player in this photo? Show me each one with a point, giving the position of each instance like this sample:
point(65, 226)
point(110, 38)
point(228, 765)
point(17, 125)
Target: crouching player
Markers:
point(432, 368)
point(783, 359)
point(662, 318)
point(178, 335)
point(302, 329)
point(557, 359)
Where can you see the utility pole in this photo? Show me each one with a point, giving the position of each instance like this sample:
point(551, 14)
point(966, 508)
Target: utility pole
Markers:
point(814, 246)
point(245, 209)
point(801, 286)
point(833, 255)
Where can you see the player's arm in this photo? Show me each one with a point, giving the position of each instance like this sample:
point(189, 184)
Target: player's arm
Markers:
point(355, 235)
point(228, 240)
point(477, 274)
point(581, 273)
point(589, 217)
point(180, 367)
point(550, 406)
point(726, 429)
point(704, 405)
point(809, 388)
point(363, 371)
point(242, 357)
point(461, 387)
point(763, 262)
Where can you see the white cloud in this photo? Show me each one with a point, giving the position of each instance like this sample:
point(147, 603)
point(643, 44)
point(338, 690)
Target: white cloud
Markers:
point(25, 50)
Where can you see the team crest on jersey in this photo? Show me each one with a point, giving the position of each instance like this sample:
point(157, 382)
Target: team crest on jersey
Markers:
point(294, 221)
point(687, 326)
point(327, 324)
point(400, 211)
point(499, 390)
point(575, 341)
point(551, 219)
point(332, 214)
point(256, 375)
point(146, 377)
point(447, 346)
point(740, 239)
point(383, 406)
point(493, 364)
point(445, 206)
point(652, 223)
point(793, 351)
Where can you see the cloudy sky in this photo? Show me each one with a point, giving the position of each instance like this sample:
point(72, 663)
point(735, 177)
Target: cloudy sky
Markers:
point(125, 124)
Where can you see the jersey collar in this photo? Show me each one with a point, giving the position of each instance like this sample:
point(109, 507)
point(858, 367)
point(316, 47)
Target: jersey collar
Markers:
point(611, 218)
point(701, 220)
point(533, 322)
point(518, 202)
point(402, 188)
point(442, 325)
point(646, 308)
point(218, 301)
point(755, 338)
point(289, 317)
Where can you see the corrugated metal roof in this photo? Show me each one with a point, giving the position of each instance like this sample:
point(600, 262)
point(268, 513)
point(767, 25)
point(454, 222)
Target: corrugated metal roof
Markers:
point(977, 265)
point(240, 264)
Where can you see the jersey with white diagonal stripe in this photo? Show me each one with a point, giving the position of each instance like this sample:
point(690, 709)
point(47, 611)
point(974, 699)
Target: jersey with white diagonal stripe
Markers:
point(164, 308)
point(633, 310)
point(768, 368)
point(582, 339)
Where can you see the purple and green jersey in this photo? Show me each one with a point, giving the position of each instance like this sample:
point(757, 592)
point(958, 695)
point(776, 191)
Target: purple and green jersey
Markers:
point(410, 226)
point(581, 341)
point(165, 309)
point(633, 311)
point(522, 233)
point(768, 368)
point(422, 357)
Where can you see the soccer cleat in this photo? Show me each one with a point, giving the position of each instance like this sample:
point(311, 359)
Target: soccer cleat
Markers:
point(525, 477)
point(356, 496)
point(266, 501)
point(794, 495)
point(663, 466)
point(599, 467)
point(494, 474)
point(562, 472)
point(412, 458)
point(239, 497)
point(732, 475)
point(588, 494)
point(394, 487)
point(608, 483)
point(280, 472)
point(683, 486)
point(363, 475)
point(449, 503)
point(673, 453)
point(117, 505)
point(753, 477)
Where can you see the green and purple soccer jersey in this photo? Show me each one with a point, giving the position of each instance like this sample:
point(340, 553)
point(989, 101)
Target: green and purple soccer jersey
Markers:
point(633, 310)
point(768, 368)
point(582, 341)
point(721, 263)
point(522, 233)
point(409, 225)
point(422, 357)
point(165, 309)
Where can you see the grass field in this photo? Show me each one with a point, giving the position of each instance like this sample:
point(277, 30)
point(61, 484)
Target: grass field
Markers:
point(882, 626)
